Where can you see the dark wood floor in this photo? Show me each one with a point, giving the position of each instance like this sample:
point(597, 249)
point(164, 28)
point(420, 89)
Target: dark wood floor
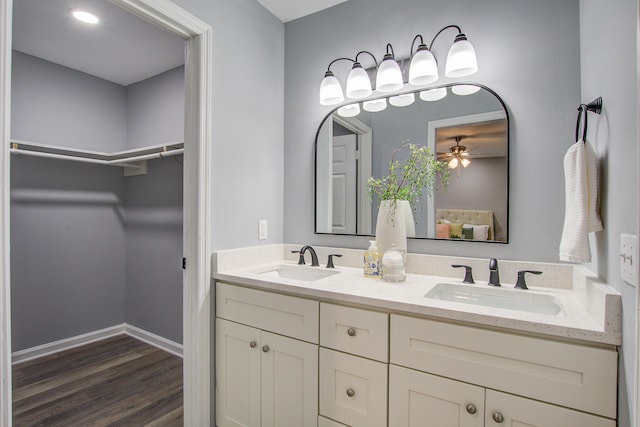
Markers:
point(118, 381)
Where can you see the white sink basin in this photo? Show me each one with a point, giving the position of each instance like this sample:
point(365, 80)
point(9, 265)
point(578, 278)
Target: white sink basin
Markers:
point(519, 300)
point(308, 274)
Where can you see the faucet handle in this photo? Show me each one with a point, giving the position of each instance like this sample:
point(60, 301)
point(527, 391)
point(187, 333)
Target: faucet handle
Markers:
point(521, 283)
point(330, 260)
point(301, 258)
point(468, 275)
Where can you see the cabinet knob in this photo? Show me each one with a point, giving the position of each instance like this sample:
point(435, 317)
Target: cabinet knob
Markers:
point(351, 392)
point(351, 332)
point(265, 348)
point(471, 408)
point(497, 417)
point(253, 344)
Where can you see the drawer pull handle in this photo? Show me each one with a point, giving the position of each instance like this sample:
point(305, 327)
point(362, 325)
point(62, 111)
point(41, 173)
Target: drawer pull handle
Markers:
point(265, 348)
point(351, 392)
point(253, 344)
point(351, 332)
point(497, 417)
point(471, 408)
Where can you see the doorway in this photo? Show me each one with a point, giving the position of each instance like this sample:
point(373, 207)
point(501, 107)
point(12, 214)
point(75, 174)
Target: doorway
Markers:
point(196, 202)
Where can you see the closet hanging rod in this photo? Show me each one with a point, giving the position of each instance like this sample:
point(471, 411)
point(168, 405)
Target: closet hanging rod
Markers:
point(72, 158)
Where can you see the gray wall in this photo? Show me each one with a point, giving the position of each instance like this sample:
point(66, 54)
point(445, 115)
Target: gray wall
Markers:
point(90, 247)
point(609, 69)
point(155, 110)
point(528, 52)
point(154, 249)
point(60, 99)
point(67, 250)
point(247, 121)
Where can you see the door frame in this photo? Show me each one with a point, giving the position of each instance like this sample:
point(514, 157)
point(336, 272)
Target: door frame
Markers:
point(196, 210)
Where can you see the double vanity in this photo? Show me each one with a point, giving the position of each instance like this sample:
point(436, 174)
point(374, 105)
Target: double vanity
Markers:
point(313, 346)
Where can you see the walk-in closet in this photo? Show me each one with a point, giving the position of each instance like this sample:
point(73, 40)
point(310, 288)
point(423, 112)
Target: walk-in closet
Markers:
point(96, 215)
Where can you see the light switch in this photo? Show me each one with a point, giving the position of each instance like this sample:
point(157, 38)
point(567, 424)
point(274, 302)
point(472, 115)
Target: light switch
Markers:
point(262, 229)
point(628, 261)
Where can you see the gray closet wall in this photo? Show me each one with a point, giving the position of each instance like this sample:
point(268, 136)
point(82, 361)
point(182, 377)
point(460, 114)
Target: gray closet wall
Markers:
point(91, 248)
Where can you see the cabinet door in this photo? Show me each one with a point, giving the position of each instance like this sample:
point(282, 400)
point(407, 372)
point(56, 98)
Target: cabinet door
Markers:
point(419, 399)
point(237, 375)
point(353, 390)
point(289, 382)
point(505, 410)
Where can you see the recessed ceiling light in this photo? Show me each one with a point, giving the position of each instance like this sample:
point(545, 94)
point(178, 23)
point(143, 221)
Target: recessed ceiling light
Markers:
point(84, 16)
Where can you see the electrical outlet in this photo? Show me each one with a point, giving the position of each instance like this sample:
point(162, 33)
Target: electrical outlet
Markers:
point(262, 229)
point(628, 261)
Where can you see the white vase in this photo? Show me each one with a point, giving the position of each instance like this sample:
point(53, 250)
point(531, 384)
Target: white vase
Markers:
point(391, 227)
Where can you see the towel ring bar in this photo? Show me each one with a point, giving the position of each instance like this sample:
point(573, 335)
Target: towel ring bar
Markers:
point(594, 106)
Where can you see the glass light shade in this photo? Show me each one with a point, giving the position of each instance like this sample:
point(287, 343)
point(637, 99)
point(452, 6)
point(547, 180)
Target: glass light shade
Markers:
point(350, 110)
point(465, 162)
point(330, 90)
point(453, 163)
point(389, 77)
point(374, 105)
point(423, 69)
point(358, 83)
point(402, 100)
point(464, 90)
point(433, 94)
point(461, 60)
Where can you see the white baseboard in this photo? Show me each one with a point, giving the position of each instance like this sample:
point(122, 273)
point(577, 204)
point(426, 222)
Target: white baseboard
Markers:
point(72, 342)
point(154, 340)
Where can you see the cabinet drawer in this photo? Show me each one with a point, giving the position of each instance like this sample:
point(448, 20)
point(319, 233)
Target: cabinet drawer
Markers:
point(353, 390)
point(282, 314)
point(572, 375)
point(352, 330)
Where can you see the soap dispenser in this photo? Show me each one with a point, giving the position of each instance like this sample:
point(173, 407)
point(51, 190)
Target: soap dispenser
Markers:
point(372, 261)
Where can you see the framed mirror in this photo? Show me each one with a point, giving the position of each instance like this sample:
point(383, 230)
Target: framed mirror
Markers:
point(465, 125)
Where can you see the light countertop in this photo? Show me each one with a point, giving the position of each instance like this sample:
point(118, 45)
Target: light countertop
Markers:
point(591, 309)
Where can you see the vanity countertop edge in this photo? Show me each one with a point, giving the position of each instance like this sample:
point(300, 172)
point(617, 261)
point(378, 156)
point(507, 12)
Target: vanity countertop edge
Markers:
point(591, 308)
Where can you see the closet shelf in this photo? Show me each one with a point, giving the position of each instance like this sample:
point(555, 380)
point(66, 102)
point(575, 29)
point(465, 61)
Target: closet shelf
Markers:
point(126, 159)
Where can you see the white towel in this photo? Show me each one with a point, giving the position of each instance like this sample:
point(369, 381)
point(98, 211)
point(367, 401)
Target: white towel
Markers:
point(581, 202)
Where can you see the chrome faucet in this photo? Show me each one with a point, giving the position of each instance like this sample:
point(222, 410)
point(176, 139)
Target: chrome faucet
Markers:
point(494, 275)
point(314, 256)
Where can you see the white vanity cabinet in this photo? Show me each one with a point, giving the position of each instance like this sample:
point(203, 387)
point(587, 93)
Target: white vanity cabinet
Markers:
point(462, 367)
point(263, 378)
point(376, 369)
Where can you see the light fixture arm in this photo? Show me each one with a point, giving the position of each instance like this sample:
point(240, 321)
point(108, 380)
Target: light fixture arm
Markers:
point(413, 43)
point(439, 32)
point(370, 54)
point(336, 60)
point(393, 54)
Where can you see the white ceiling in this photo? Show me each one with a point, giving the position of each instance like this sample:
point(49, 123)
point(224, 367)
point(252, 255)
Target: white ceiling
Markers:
point(288, 10)
point(122, 48)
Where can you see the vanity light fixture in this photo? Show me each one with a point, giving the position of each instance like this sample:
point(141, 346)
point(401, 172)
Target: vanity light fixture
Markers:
point(433, 94)
point(402, 100)
point(389, 77)
point(423, 69)
point(358, 81)
point(464, 90)
point(84, 16)
point(375, 105)
point(350, 110)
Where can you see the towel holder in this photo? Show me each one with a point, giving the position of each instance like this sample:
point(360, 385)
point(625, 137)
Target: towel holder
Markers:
point(594, 106)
